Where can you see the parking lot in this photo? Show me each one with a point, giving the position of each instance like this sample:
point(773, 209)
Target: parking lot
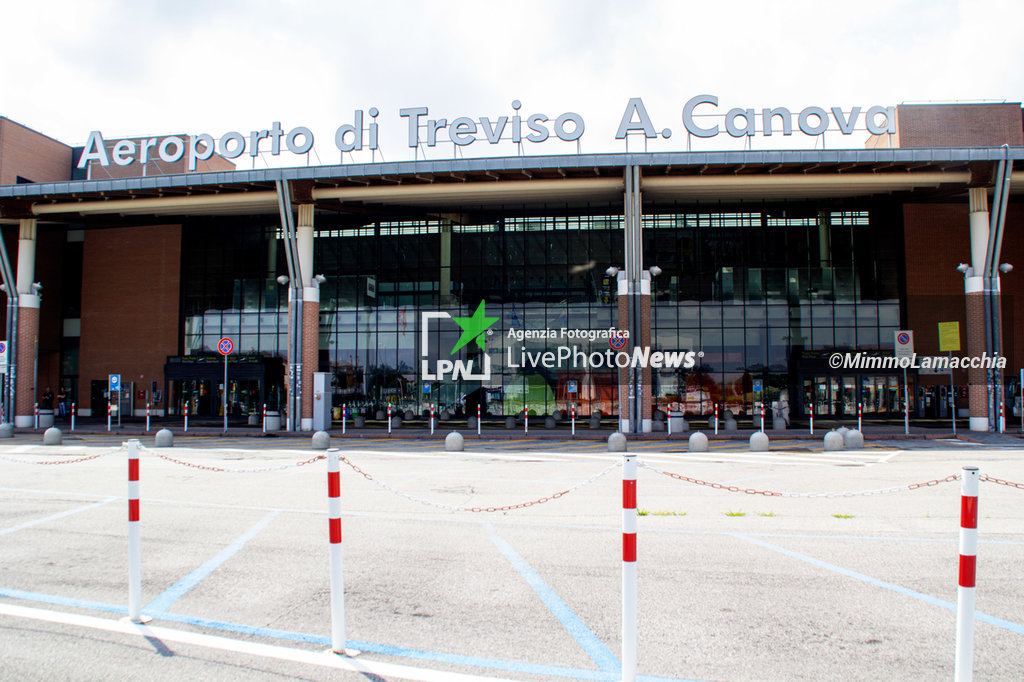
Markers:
point(733, 585)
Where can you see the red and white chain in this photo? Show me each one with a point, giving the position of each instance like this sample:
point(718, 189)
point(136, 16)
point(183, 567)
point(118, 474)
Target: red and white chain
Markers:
point(775, 493)
point(1000, 481)
point(73, 460)
point(236, 470)
point(460, 508)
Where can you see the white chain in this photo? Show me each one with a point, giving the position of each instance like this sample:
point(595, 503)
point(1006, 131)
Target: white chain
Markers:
point(234, 470)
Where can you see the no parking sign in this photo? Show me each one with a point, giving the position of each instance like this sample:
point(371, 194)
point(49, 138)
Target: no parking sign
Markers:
point(904, 343)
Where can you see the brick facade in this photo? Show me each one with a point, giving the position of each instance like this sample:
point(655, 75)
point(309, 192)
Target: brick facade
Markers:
point(130, 304)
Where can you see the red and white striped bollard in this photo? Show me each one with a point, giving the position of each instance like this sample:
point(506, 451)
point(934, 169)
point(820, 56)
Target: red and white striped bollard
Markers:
point(72, 416)
point(860, 414)
point(963, 669)
point(109, 408)
point(716, 419)
point(35, 413)
point(1002, 416)
point(762, 417)
point(186, 417)
point(526, 418)
point(134, 547)
point(812, 418)
point(478, 419)
point(264, 417)
point(629, 582)
point(389, 419)
point(344, 418)
point(431, 419)
point(147, 416)
point(572, 411)
point(336, 557)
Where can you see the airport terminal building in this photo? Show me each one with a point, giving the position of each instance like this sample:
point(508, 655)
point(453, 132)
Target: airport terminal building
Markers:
point(730, 278)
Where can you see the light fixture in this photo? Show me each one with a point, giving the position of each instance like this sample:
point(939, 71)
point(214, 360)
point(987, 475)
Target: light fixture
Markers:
point(963, 268)
point(1005, 268)
point(612, 271)
point(37, 287)
point(282, 280)
point(319, 279)
point(654, 270)
point(3, 288)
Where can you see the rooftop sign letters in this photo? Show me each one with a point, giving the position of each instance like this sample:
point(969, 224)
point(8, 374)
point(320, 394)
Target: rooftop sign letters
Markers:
point(701, 117)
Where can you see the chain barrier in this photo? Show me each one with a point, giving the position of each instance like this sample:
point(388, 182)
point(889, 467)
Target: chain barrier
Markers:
point(74, 460)
point(1000, 481)
point(775, 493)
point(235, 470)
point(460, 508)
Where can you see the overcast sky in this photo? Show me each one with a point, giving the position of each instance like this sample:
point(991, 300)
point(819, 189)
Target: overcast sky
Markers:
point(154, 68)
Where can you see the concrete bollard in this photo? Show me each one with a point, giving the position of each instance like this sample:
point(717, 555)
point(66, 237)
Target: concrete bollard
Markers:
point(698, 442)
point(778, 424)
point(454, 442)
point(471, 422)
point(321, 440)
point(557, 415)
point(408, 416)
point(396, 422)
point(164, 439)
point(595, 422)
point(550, 422)
point(833, 440)
point(380, 416)
point(759, 442)
point(853, 439)
point(617, 442)
point(52, 436)
point(359, 422)
point(6, 430)
point(842, 431)
point(510, 422)
point(730, 424)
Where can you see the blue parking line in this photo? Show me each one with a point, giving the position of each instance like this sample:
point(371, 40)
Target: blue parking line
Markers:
point(319, 640)
point(178, 589)
point(927, 598)
point(600, 654)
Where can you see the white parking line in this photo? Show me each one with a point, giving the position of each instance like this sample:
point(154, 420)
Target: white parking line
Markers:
point(326, 660)
point(59, 515)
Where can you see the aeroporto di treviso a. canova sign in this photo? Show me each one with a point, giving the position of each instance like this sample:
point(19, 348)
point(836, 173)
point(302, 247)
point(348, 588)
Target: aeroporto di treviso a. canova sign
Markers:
point(423, 129)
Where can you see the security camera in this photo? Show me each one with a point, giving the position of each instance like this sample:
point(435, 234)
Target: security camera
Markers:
point(1005, 268)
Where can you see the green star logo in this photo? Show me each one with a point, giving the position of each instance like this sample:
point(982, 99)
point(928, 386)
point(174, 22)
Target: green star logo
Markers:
point(473, 328)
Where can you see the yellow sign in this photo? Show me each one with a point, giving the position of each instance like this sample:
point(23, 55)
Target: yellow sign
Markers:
point(949, 336)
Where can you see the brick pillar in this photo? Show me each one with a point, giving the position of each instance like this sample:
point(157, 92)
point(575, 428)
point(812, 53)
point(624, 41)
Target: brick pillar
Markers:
point(623, 323)
point(28, 326)
point(647, 399)
point(310, 342)
point(974, 285)
point(310, 351)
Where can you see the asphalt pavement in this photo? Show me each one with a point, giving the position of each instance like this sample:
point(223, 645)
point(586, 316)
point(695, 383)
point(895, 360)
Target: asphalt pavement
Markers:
point(504, 561)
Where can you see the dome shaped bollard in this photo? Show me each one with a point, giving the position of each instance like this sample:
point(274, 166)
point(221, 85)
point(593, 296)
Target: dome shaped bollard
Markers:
point(164, 439)
point(759, 442)
point(730, 424)
point(550, 422)
point(853, 439)
point(6, 430)
point(454, 442)
point(510, 422)
point(52, 436)
point(617, 442)
point(321, 440)
point(833, 441)
point(359, 422)
point(698, 442)
point(595, 422)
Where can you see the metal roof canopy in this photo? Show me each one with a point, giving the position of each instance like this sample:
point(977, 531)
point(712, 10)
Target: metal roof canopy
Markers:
point(521, 181)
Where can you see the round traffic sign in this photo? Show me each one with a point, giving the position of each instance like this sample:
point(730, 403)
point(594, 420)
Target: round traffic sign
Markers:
point(3, 347)
point(224, 346)
point(903, 338)
point(617, 342)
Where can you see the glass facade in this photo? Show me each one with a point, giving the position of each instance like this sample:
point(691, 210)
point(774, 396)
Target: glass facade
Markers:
point(761, 293)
